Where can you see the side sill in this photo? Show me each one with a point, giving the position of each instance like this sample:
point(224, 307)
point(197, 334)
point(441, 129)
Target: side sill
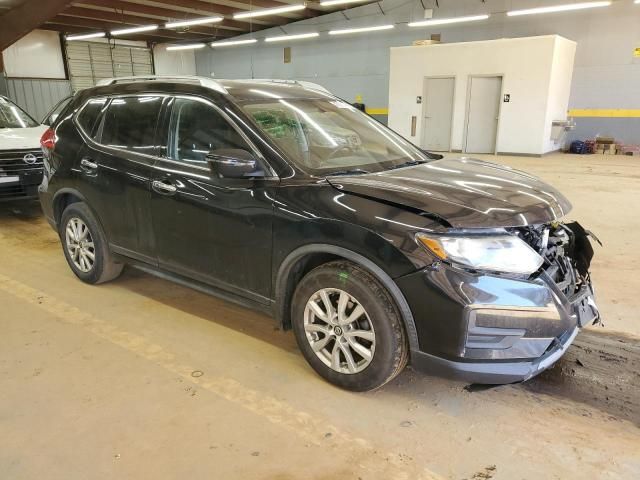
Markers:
point(203, 288)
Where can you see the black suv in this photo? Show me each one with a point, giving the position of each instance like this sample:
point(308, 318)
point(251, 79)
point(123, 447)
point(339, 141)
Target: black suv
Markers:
point(281, 196)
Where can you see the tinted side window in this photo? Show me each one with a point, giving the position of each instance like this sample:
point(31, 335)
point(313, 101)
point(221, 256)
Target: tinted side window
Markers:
point(89, 114)
point(196, 128)
point(130, 123)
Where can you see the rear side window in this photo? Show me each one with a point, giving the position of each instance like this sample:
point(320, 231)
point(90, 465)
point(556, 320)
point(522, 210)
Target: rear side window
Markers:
point(89, 114)
point(130, 123)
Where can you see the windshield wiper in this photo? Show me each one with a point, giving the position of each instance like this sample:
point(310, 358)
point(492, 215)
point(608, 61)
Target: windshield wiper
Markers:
point(410, 163)
point(353, 171)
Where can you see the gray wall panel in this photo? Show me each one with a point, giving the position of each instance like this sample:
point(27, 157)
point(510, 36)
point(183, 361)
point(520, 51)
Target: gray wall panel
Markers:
point(37, 96)
point(606, 74)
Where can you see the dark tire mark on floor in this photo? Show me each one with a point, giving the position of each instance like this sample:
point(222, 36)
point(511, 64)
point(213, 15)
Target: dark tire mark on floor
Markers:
point(600, 369)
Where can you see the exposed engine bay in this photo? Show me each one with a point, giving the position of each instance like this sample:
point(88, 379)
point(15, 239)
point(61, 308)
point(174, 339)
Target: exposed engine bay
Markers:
point(566, 250)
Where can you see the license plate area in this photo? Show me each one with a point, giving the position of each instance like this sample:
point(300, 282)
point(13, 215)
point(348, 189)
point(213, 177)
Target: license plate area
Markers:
point(12, 180)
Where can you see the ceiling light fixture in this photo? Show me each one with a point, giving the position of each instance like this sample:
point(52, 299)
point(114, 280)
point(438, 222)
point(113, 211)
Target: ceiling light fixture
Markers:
point(268, 11)
point(125, 31)
point(231, 43)
point(360, 30)
point(85, 36)
point(558, 8)
point(190, 46)
point(447, 21)
point(197, 21)
point(291, 37)
point(330, 3)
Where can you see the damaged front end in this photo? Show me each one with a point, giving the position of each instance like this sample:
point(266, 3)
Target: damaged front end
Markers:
point(567, 254)
point(497, 328)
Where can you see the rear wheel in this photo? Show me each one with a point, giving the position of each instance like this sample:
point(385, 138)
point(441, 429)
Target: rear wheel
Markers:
point(85, 246)
point(348, 327)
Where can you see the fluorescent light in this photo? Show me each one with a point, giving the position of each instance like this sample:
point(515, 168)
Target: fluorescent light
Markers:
point(189, 46)
point(447, 21)
point(197, 21)
point(268, 11)
point(329, 3)
point(231, 43)
point(291, 37)
point(360, 30)
point(558, 8)
point(84, 36)
point(125, 31)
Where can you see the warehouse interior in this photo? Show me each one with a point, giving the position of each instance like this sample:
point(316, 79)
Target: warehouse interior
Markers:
point(146, 378)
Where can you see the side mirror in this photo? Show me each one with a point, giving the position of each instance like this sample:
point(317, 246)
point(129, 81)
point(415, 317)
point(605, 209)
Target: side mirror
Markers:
point(232, 163)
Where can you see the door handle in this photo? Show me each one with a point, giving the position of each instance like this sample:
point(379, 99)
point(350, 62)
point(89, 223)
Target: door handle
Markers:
point(163, 187)
point(88, 165)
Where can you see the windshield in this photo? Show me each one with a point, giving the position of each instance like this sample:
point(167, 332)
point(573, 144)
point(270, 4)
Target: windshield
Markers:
point(327, 136)
point(12, 116)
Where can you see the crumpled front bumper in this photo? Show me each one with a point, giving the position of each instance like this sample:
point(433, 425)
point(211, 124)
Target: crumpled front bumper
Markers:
point(490, 329)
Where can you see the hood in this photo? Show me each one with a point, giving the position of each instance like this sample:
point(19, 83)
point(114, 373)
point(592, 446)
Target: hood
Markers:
point(21, 138)
point(467, 193)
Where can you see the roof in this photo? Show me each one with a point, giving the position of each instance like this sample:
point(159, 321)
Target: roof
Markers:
point(240, 89)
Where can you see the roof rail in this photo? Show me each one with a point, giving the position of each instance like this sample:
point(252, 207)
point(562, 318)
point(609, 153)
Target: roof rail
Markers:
point(302, 83)
point(203, 81)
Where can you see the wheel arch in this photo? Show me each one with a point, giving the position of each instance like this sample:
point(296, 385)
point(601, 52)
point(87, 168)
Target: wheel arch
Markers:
point(305, 258)
point(62, 199)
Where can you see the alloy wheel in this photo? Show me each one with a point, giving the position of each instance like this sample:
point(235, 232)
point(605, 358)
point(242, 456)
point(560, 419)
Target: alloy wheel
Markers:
point(80, 244)
point(339, 331)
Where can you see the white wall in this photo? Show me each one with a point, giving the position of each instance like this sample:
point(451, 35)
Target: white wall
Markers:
point(525, 65)
point(559, 89)
point(36, 55)
point(180, 62)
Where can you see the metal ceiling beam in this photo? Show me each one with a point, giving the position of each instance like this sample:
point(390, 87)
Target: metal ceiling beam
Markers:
point(155, 12)
point(139, 21)
point(70, 29)
point(17, 22)
point(169, 35)
point(114, 16)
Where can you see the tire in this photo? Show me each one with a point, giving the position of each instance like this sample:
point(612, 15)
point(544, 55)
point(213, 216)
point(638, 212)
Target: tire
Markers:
point(103, 267)
point(379, 329)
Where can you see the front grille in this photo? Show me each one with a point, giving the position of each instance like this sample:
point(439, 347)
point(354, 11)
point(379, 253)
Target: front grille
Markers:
point(12, 162)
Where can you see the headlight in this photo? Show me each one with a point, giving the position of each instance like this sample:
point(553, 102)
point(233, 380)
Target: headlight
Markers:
point(498, 253)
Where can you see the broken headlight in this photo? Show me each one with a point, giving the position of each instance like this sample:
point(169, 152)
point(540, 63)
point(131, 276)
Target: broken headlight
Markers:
point(496, 252)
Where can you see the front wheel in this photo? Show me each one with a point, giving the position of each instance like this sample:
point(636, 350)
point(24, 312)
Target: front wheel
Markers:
point(348, 327)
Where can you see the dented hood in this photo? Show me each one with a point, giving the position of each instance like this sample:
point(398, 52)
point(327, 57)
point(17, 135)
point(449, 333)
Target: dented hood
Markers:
point(466, 193)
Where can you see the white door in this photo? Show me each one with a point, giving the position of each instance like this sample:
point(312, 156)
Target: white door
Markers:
point(437, 113)
point(483, 111)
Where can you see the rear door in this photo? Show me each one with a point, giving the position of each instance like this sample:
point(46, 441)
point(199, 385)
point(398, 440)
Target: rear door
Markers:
point(211, 229)
point(116, 169)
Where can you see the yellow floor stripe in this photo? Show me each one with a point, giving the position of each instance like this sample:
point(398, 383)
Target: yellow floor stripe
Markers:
point(310, 428)
point(604, 112)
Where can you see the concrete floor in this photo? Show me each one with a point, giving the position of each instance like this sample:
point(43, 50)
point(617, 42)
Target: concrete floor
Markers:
point(141, 378)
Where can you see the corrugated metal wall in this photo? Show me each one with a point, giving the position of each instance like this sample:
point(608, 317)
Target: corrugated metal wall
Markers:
point(89, 62)
point(37, 96)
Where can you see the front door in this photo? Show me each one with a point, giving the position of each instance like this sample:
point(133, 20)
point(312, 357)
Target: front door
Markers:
point(482, 115)
point(438, 113)
point(208, 228)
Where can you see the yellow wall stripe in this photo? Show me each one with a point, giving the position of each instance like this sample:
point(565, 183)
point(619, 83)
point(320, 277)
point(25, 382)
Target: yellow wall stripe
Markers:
point(575, 112)
point(378, 111)
point(604, 112)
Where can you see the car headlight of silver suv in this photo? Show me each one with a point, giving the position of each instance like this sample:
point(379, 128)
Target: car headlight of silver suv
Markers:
point(494, 252)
